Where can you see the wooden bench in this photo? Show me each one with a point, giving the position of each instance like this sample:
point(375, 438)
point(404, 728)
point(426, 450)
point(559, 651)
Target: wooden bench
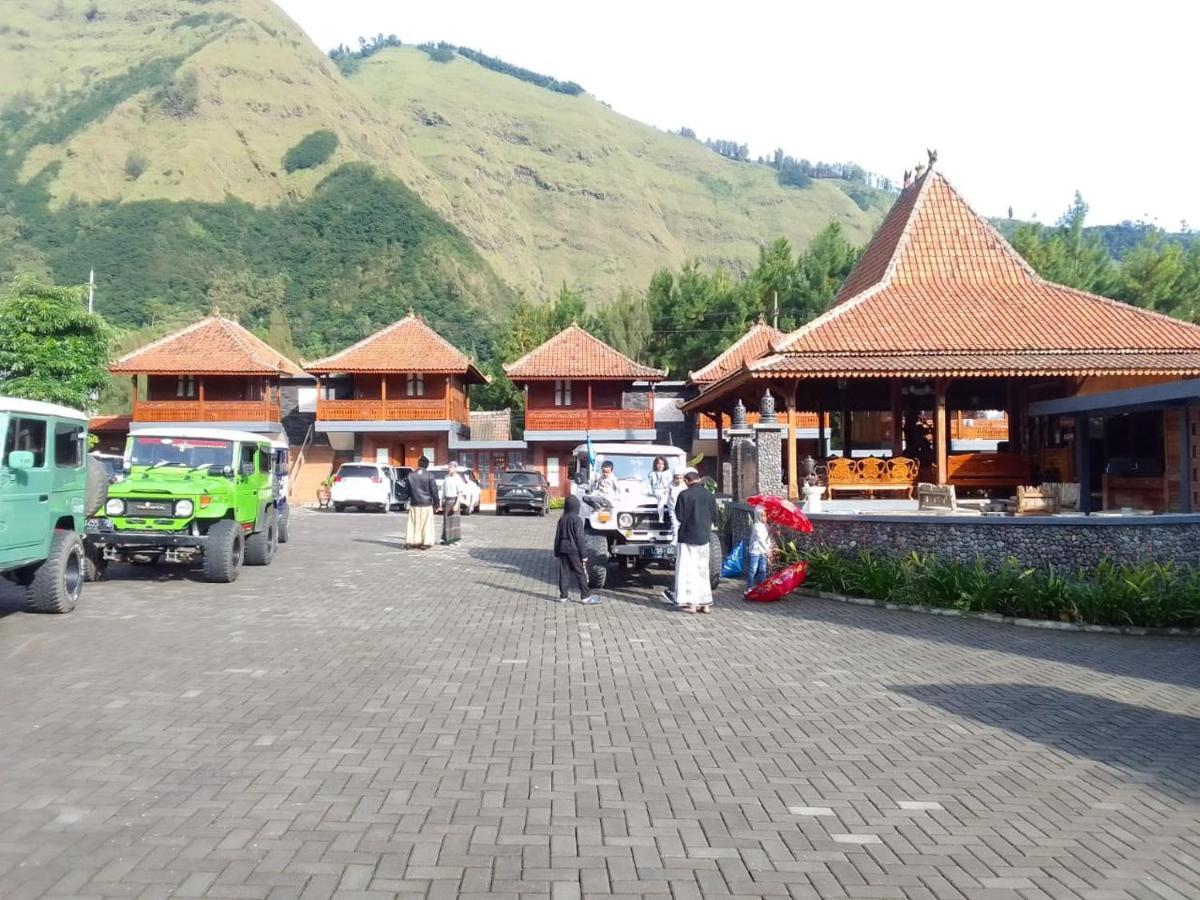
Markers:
point(871, 474)
point(988, 470)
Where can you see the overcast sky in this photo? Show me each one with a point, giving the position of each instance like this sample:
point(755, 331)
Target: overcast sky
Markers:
point(1024, 101)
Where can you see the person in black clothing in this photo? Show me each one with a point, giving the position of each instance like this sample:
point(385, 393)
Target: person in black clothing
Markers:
point(570, 551)
point(695, 511)
point(422, 498)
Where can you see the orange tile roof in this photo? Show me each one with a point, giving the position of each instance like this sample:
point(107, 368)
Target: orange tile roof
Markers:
point(750, 346)
point(106, 424)
point(950, 365)
point(408, 345)
point(212, 346)
point(937, 278)
point(573, 353)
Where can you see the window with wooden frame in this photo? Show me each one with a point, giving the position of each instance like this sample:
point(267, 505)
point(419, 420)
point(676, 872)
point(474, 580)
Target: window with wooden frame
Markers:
point(562, 392)
point(416, 384)
point(185, 386)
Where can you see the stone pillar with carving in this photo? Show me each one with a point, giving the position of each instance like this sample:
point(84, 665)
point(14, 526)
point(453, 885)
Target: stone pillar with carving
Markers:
point(769, 442)
point(743, 456)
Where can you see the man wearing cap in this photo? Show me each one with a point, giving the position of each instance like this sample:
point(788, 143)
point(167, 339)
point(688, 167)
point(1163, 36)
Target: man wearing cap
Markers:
point(695, 512)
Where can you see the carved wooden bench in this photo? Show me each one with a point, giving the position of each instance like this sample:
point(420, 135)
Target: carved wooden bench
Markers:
point(988, 470)
point(872, 474)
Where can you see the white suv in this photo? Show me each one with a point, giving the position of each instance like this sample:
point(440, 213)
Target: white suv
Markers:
point(366, 485)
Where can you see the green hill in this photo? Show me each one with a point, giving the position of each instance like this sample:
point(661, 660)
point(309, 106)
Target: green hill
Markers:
point(552, 187)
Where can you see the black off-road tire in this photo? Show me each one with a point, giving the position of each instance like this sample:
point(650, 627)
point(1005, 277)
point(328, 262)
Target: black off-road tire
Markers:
point(261, 545)
point(715, 558)
point(58, 582)
point(225, 552)
point(339, 507)
point(95, 566)
point(284, 527)
point(96, 493)
point(597, 559)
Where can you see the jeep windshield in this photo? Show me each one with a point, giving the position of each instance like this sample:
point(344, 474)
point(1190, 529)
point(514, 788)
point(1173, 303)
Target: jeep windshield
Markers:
point(626, 465)
point(186, 453)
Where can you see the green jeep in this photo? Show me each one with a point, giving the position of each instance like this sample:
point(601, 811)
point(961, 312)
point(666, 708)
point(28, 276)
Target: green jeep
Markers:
point(194, 493)
point(47, 486)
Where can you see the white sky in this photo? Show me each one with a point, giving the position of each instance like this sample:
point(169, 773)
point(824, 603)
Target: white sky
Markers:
point(1024, 101)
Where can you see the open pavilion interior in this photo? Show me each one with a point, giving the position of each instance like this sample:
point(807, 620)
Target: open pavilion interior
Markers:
point(941, 318)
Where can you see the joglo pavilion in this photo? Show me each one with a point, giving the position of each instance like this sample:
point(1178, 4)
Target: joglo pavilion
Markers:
point(942, 315)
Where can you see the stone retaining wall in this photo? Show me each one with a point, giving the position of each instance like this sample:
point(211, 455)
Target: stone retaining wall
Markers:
point(1033, 541)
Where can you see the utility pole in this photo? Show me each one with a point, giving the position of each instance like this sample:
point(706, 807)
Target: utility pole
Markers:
point(775, 313)
point(91, 288)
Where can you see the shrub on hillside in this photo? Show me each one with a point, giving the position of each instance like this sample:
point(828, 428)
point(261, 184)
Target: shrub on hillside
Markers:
point(180, 97)
point(135, 164)
point(312, 150)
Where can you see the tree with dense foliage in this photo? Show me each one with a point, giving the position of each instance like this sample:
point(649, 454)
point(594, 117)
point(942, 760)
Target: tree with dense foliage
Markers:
point(180, 96)
point(625, 324)
point(1066, 254)
point(278, 334)
point(692, 313)
point(51, 347)
point(311, 151)
point(244, 295)
point(1162, 275)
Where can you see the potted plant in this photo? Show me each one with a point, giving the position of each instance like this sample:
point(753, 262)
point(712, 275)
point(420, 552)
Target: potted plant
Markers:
point(325, 491)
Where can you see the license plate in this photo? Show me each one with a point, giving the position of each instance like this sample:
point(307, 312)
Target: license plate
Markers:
point(94, 525)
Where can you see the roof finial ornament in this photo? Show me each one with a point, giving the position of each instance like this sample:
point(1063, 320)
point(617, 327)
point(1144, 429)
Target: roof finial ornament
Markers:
point(920, 170)
point(412, 313)
point(907, 177)
point(932, 154)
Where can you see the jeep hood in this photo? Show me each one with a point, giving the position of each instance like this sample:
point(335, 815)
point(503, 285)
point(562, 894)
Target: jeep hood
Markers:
point(166, 481)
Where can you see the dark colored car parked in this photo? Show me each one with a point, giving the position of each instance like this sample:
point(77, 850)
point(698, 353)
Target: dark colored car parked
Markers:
point(402, 473)
point(522, 489)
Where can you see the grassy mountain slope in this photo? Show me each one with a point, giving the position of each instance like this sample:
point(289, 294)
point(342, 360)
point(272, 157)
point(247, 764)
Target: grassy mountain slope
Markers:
point(555, 188)
point(87, 94)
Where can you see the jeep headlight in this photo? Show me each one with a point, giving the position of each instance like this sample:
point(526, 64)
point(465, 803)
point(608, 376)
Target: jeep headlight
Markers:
point(114, 507)
point(184, 509)
point(625, 520)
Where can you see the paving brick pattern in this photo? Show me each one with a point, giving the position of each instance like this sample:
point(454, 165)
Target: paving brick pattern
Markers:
point(360, 721)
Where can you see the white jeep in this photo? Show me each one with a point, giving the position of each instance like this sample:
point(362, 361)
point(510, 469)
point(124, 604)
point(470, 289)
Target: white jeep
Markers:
point(623, 530)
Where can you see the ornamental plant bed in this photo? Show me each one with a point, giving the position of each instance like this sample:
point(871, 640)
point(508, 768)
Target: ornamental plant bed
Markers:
point(1144, 595)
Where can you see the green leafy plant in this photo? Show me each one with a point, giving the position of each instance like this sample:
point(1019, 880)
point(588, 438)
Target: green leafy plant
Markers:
point(135, 165)
point(312, 150)
point(558, 502)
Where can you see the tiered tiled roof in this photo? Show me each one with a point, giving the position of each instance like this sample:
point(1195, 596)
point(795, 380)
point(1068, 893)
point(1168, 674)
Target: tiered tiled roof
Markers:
point(408, 345)
point(491, 425)
point(212, 346)
point(573, 353)
point(750, 346)
point(940, 293)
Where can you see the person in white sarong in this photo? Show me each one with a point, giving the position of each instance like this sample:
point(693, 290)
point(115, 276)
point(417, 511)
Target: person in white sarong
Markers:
point(695, 511)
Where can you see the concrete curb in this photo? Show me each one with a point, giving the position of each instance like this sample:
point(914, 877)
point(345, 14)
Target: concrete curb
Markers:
point(997, 619)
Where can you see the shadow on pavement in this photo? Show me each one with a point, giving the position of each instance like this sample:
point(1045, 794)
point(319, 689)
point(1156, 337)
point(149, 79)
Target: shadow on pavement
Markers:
point(1162, 746)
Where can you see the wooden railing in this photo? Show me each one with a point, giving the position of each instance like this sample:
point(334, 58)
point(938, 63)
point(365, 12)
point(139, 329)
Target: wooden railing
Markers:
point(979, 429)
point(415, 409)
point(803, 420)
point(584, 419)
point(206, 411)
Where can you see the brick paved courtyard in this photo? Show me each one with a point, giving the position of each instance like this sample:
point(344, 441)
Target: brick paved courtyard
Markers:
point(359, 721)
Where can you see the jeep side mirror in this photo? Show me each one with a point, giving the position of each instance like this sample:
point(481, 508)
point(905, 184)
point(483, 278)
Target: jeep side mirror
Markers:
point(20, 459)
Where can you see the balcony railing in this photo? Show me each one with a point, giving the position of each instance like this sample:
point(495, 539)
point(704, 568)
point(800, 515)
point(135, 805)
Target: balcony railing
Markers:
point(414, 409)
point(206, 411)
point(587, 419)
point(803, 420)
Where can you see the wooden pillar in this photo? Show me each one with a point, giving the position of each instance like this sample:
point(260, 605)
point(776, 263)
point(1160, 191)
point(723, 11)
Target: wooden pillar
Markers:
point(1185, 460)
point(897, 421)
point(1083, 463)
point(200, 396)
point(793, 487)
point(133, 396)
point(719, 417)
point(847, 425)
point(822, 441)
point(1011, 410)
point(589, 415)
point(940, 436)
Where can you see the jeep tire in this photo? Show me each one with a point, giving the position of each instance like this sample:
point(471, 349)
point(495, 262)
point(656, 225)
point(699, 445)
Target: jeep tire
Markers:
point(597, 559)
point(96, 491)
point(260, 546)
point(58, 582)
point(284, 530)
point(715, 558)
point(94, 564)
point(225, 551)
